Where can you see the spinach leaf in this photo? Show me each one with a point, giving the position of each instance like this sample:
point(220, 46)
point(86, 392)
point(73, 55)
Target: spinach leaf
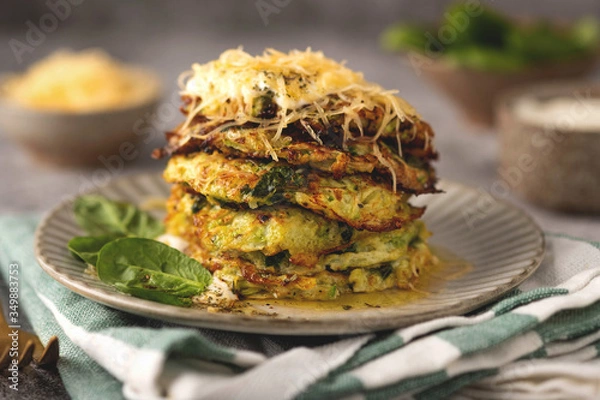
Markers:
point(265, 106)
point(152, 270)
point(86, 248)
point(276, 180)
point(385, 271)
point(198, 204)
point(126, 258)
point(101, 216)
point(276, 259)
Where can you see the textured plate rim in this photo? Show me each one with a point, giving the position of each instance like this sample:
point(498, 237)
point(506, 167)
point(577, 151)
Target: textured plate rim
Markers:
point(268, 324)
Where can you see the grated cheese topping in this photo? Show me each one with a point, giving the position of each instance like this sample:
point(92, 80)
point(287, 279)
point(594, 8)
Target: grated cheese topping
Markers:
point(301, 83)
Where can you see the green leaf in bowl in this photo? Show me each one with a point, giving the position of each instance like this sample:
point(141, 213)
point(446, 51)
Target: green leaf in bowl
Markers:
point(486, 59)
point(486, 29)
point(542, 42)
point(404, 37)
point(484, 39)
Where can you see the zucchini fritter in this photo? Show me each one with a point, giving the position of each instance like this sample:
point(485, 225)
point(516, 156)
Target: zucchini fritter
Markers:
point(283, 251)
point(356, 200)
point(358, 158)
point(292, 177)
point(270, 230)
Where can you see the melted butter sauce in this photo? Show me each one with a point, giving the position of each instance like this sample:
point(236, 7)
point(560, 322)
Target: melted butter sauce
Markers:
point(450, 267)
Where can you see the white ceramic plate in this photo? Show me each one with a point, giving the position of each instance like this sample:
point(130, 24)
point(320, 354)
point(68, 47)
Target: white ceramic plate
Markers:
point(503, 245)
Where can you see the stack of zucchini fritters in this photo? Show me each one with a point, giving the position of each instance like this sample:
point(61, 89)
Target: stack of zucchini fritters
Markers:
point(292, 176)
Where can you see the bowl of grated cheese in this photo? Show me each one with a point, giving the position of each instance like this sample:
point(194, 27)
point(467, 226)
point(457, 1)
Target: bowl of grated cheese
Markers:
point(73, 108)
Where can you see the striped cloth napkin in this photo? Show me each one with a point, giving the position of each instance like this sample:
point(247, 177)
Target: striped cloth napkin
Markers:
point(540, 341)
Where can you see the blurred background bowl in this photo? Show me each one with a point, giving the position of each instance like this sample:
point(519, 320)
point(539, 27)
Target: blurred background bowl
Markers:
point(475, 92)
point(70, 138)
point(552, 164)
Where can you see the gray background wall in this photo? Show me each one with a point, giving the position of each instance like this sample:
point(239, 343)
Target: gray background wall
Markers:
point(133, 29)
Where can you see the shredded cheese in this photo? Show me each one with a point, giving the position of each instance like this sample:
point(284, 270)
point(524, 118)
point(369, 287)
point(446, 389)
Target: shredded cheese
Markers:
point(84, 81)
point(386, 164)
point(301, 83)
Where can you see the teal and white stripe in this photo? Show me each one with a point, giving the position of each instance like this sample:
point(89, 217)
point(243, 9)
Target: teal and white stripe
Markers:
point(450, 351)
point(541, 341)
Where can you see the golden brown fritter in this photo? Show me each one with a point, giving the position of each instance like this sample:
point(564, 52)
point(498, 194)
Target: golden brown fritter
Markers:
point(356, 200)
point(240, 143)
point(285, 251)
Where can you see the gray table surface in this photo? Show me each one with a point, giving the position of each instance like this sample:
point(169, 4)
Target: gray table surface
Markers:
point(468, 154)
